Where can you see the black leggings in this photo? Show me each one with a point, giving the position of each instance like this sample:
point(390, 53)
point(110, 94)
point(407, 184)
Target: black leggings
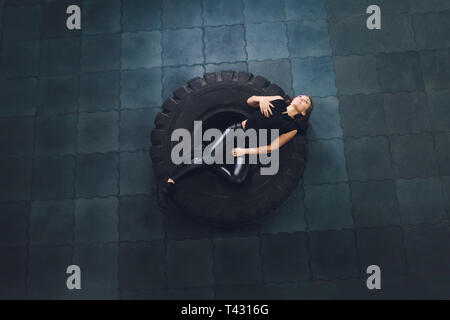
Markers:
point(235, 173)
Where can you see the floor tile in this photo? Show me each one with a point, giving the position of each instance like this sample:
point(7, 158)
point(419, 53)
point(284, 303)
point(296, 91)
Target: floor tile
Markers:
point(407, 64)
point(396, 33)
point(22, 22)
point(362, 115)
point(382, 247)
point(97, 175)
point(98, 132)
point(334, 255)
point(182, 46)
point(406, 113)
point(313, 76)
point(96, 220)
point(276, 71)
point(237, 261)
point(435, 69)
point(263, 11)
point(20, 58)
point(427, 249)
point(60, 56)
point(180, 226)
point(58, 94)
point(374, 203)
point(328, 207)
point(326, 162)
point(140, 219)
point(15, 179)
point(325, 120)
point(238, 66)
point(350, 36)
point(56, 135)
point(175, 77)
point(102, 16)
point(445, 181)
point(100, 91)
point(421, 201)
point(142, 265)
point(100, 53)
point(356, 74)
point(10, 90)
point(182, 14)
point(149, 87)
point(442, 144)
point(224, 44)
point(431, 5)
point(285, 257)
point(99, 270)
point(258, 35)
point(391, 7)
point(413, 155)
point(141, 50)
point(47, 266)
point(53, 178)
point(190, 263)
point(431, 30)
point(308, 38)
point(16, 136)
point(140, 15)
point(222, 12)
point(13, 272)
point(439, 111)
point(345, 8)
point(290, 217)
point(14, 221)
point(136, 173)
point(51, 222)
point(136, 127)
point(305, 10)
point(368, 158)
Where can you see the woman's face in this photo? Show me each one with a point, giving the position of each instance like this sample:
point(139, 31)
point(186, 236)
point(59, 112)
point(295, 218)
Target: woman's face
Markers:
point(301, 103)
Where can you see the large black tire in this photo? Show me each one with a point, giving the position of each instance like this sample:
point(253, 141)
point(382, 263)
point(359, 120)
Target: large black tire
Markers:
point(205, 195)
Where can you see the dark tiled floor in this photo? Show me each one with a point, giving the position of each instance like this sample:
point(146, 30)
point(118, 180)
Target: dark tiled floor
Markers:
point(76, 181)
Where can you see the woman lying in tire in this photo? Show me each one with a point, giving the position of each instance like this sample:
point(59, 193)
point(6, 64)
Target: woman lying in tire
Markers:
point(289, 116)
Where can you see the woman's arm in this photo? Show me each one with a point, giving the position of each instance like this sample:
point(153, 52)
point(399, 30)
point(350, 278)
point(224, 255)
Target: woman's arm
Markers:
point(264, 103)
point(255, 100)
point(276, 144)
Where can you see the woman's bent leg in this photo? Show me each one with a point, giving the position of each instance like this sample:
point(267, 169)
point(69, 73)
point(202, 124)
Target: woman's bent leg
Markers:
point(235, 175)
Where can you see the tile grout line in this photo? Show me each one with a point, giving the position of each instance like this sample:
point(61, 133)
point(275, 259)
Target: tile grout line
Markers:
point(395, 178)
point(118, 197)
point(347, 183)
point(77, 115)
point(402, 226)
point(174, 66)
point(302, 188)
point(308, 233)
point(165, 240)
point(259, 234)
point(210, 238)
point(394, 170)
point(433, 133)
point(38, 106)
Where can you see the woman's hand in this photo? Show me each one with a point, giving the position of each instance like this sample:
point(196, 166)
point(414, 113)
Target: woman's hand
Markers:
point(238, 152)
point(264, 106)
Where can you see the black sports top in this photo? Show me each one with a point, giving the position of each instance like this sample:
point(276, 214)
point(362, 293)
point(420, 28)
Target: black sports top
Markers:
point(277, 120)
